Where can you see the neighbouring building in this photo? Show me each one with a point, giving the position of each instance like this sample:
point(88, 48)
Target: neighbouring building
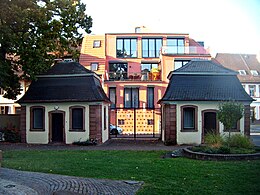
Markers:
point(134, 69)
point(248, 67)
point(8, 106)
point(190, 104)
point(67, 104)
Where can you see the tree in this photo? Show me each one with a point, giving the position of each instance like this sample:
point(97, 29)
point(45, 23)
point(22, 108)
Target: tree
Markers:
point(35, 32)
point(229, 113)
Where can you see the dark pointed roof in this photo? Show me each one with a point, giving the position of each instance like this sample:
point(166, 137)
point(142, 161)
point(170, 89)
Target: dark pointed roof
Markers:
point(65, 82)
point(204, 80)
point(67, 68)
point(199, 66)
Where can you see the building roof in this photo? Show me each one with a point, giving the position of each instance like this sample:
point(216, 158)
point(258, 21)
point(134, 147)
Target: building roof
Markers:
point(67, 68)
point(238, 62)
point(74, 83)
point(204, 80)
point(199, 66)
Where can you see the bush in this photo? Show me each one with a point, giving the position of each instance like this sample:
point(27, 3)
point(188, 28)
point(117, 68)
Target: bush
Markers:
point(239, 141)
point(214, 140)
point(11, 136)
point(224, 150)
point(91, 142)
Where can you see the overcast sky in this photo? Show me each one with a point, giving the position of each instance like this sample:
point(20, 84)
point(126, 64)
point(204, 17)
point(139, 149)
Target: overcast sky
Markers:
point(226, 26)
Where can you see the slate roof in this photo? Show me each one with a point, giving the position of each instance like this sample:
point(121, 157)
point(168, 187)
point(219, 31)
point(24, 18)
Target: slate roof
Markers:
point(204, 80)
point(65, 82)
point(237, 62)
point(67, 68)
point(204, 67)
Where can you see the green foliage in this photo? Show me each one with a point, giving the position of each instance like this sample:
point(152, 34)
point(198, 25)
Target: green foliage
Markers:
point(190, 176)
point(214, 139)
point(240, 141)
point(33, 33)
point(229, 113)
point(11, 136)
point(91, 142)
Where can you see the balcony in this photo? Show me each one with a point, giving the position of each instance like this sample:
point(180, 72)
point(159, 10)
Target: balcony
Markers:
point(184, 50)
point(134, 76)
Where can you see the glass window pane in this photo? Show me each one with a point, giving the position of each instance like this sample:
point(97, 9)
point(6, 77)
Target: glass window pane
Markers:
point(171, 42)
point(112, 96)
point(133, 48)
point(188, 118)
point(151, 48)
point(77, 118)
point(181, 46)
point(135, 98)
point(181, 42)
point(38, 118)
point(127, 98)
point(158, 47)
point(126, 47)
point(154, 65)
point(145, 48)
point(177, 64)
point(150, 97)
point(146, 67)
point(119, 48)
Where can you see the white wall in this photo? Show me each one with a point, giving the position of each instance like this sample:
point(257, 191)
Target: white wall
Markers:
point(70, 137)
point(105, 131)
point(196, 137)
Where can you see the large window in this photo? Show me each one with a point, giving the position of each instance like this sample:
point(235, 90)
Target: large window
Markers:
point(117, 71)
point(179, 63)
point(252, 89)
point(175, 46)
point(37, 118)
point(150, 97)
point(112, 96)
point(189, 118)
point(126, 47)
point(5, 109)
point(131, 98)
point(77, 118)
point(151, 47)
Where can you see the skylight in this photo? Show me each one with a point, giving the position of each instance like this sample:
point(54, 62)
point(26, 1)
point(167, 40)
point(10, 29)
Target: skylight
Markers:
point(254, 72)
point(242, 72)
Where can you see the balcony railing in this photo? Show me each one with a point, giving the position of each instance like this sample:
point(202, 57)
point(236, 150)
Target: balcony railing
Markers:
point(134, 76)
point(197, 50)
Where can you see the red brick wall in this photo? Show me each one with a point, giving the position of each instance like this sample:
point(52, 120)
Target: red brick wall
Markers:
point(170, 124)
point(247, 120)
point(95, 122)
point(23, 124)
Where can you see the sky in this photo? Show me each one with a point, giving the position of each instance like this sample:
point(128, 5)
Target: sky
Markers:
point(225, 26)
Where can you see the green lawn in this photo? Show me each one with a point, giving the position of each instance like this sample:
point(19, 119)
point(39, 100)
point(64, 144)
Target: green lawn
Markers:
point(161, 176)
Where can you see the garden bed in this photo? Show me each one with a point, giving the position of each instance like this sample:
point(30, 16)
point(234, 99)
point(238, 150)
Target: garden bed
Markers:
point(187, 152)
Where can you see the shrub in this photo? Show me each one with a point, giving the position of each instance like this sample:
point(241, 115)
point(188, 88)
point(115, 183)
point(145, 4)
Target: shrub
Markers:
point(214, 140)
point(11, 136)
point(239, 141)
point(91, 142)
point(224, 150)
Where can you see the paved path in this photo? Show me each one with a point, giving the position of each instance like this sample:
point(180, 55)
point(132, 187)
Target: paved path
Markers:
point(112, 144)
point(13, 182)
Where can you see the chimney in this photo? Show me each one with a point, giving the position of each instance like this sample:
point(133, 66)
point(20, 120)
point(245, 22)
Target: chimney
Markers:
point(141, 29)
point(258, 56)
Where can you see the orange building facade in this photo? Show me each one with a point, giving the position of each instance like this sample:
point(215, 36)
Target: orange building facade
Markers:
point(134, 69)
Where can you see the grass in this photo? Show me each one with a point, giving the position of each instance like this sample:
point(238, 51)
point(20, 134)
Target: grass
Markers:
point(161, 176)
